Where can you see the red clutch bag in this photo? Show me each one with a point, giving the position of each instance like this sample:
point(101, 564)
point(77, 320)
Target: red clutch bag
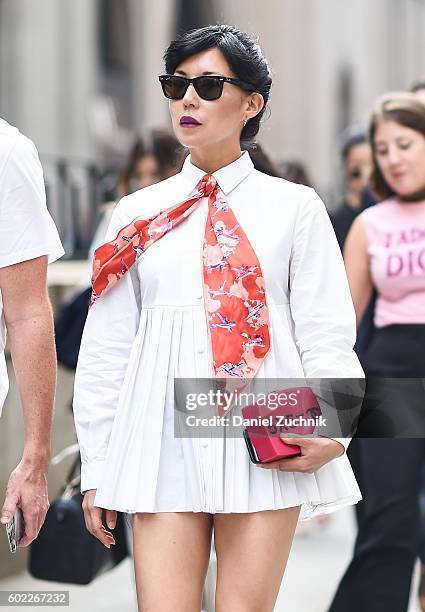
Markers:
point(265, 423)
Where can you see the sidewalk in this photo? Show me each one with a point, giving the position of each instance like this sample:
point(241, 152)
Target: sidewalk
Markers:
point(317, 561)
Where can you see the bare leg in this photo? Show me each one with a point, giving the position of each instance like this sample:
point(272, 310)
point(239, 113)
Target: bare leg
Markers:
point(252, 552)
point(171, 553)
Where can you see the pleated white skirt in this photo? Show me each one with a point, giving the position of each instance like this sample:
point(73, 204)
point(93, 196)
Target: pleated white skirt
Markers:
point(148, 469)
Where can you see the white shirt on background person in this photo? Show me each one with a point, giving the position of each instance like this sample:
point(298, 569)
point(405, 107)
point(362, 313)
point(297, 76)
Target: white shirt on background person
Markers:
point(27, 230)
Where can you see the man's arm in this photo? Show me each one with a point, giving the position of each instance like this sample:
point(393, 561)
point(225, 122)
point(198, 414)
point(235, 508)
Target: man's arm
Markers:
point(29, 324)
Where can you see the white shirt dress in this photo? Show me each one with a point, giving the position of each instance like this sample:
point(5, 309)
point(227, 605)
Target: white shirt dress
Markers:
point(151, 328)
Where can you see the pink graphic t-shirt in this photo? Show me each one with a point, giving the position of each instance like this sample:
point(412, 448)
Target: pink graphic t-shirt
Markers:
point(396, 246)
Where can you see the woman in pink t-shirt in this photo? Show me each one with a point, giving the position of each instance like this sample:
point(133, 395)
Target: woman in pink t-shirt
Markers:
point(385, 251)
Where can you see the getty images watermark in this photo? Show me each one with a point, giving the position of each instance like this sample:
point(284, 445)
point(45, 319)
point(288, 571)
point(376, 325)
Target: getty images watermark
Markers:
point(218, 408)
point(227, 402)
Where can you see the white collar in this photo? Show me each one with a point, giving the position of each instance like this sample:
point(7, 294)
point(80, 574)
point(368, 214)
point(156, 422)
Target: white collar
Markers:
point(227, 177)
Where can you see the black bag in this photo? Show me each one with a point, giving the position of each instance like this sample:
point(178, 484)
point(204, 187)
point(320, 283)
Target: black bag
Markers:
point(69, 327)
point(64, 550)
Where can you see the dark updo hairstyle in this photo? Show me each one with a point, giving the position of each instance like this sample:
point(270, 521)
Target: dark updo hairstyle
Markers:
point(403, 108)
point(242, 53)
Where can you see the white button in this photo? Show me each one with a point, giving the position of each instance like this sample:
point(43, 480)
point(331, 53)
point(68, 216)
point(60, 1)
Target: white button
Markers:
point(204, 444)
point(201, 349)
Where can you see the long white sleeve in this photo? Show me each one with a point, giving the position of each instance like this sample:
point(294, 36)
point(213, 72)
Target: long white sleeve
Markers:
point(108, 336)
point(320, 299)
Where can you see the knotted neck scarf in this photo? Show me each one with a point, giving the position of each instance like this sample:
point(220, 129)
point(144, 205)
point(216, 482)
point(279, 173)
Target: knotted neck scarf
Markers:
point(233, 283)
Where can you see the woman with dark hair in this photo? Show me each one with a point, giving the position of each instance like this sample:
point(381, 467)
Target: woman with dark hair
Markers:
point(385, 251)
point(219, 271)
point(153, 158)
point(356, 156)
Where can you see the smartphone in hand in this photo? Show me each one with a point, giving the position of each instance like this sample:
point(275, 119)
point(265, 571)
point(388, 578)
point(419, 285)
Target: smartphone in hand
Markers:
point(15, 530)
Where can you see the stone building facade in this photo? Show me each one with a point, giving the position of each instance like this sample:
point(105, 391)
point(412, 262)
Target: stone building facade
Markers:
point(80, 77)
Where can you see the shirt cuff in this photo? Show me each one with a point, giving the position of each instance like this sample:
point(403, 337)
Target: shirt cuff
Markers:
point(344, 441)
point(91, 474)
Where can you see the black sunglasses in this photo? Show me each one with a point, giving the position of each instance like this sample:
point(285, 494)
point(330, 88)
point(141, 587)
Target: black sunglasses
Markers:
point(207, 87)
